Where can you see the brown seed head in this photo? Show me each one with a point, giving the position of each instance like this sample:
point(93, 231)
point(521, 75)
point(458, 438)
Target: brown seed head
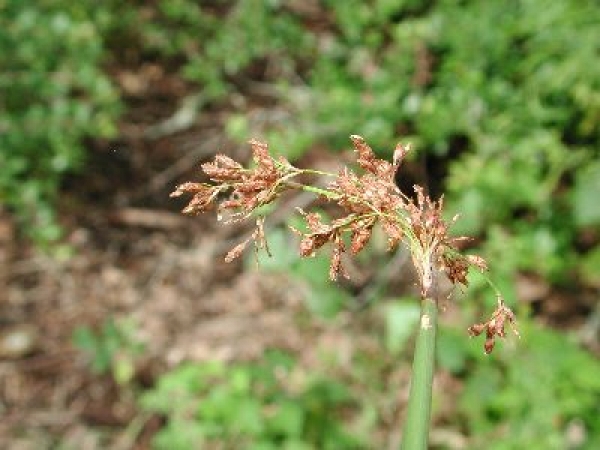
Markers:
point(495, 326)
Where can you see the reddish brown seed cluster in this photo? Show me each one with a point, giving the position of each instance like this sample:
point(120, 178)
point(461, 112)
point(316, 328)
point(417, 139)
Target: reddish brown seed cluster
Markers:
point(250, 188)
point(495, 326)
point(366, 199)
point(372, 196)
point(203, 196)
point(321, 233)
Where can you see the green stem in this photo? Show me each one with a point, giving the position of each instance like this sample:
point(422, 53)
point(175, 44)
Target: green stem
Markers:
point(312, 189)
point(319, 191)
point(416, 426)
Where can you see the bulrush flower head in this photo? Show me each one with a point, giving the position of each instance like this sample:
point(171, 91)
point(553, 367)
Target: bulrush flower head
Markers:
point(366, 198)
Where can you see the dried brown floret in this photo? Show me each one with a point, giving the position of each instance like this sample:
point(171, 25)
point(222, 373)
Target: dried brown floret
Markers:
point(336, 268)
point(478, 262)
point(258, 237)
point(369, 162)
point(400, 153)
point(260, 152)
point(223, 169)
point(319, 235)
point(237, 251)
point(203, 196)
point(495, 326)
point(361, 233)
point(456, 268)
point(394, 232)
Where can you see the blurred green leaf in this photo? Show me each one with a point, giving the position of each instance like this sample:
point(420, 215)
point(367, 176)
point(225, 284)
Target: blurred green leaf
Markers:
point(114, 346)
point(401, 319)
point(54, 95)
point(585, 196)
point(590, 268)
point(249, 404)
point(323, 298)
point(451, 350)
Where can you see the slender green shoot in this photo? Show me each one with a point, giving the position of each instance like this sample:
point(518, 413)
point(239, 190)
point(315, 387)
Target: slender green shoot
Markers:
point(416, 426)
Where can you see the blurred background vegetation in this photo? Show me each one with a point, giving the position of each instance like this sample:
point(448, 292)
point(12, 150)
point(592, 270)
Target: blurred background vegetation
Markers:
point(501, 100)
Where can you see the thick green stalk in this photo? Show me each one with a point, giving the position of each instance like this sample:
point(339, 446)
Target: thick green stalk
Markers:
point(416, 426)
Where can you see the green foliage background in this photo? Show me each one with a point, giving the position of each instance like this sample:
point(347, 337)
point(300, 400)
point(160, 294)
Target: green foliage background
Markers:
point(502, 97)
point(53, 93)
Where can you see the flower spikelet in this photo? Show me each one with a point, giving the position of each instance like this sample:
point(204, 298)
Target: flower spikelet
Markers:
point(248, 188)
point(361, 233)
point(223, 169)
point(495, 326)
point(320, 234)
point(203, 196)
point(258, 237)
point(369, 162)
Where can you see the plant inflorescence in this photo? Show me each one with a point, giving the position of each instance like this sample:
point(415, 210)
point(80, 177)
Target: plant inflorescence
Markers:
point(366, 199)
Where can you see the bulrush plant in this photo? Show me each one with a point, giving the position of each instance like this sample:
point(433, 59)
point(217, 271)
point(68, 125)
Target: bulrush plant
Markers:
point(366, 199)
